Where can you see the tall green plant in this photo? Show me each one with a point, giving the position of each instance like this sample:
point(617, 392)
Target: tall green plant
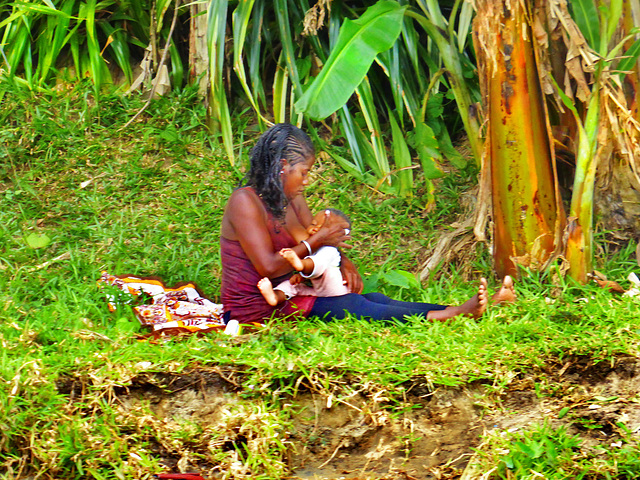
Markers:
point(397, 63)
point(219, 118)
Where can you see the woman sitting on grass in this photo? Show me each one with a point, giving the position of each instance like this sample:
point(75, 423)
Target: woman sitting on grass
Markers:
point(269, 212)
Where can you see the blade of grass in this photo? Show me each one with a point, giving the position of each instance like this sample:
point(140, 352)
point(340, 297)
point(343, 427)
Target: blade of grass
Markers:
point(402, 158)
point(280, 91)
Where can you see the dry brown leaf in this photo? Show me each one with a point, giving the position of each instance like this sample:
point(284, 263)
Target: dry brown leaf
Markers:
point(603, 282)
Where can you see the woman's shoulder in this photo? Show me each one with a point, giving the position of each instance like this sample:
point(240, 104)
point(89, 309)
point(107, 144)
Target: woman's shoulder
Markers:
point(244, 208)
point(244, 203)
point(244, 196)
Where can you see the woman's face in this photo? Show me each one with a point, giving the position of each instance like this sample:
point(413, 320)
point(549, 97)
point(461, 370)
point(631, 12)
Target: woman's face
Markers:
point(295, 177)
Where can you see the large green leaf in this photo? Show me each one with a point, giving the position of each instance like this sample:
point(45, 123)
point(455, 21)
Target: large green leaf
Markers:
point(358, 44)
point(426, 144)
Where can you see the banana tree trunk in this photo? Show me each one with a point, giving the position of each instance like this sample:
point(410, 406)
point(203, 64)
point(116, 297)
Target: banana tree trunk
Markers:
point(527, 214)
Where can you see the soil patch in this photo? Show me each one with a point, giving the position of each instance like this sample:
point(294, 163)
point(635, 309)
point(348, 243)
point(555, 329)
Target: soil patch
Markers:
point(428, 434)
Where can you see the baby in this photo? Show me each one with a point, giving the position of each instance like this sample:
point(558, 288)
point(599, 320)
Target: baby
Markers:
point(322, 268)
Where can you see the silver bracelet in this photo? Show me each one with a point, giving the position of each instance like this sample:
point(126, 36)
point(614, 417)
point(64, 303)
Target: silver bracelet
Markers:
point(306, 244)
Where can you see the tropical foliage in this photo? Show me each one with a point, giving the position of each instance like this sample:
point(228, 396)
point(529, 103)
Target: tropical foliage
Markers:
point(61, 40)
point(312, 61)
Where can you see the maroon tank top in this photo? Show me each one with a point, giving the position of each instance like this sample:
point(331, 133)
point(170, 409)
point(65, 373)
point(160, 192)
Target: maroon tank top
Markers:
point(239, 289)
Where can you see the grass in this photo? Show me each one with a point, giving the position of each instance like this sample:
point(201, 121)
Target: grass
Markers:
point(78, 196)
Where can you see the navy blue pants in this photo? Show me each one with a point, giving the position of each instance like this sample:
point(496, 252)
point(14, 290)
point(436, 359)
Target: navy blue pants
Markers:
point(374, 305)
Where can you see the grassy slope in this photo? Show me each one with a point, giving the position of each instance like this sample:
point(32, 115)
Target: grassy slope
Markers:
point(149, 200)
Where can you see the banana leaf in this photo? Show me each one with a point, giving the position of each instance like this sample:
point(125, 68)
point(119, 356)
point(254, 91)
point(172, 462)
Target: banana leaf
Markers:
point(358, 44)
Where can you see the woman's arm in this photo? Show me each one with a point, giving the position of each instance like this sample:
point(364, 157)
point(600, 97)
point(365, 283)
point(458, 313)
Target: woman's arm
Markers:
point(245, 220)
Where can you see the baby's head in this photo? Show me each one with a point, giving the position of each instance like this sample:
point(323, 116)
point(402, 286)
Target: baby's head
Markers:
point(329, 217)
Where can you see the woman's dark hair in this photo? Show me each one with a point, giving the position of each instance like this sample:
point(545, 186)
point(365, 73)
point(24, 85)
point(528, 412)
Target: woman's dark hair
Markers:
point(283, 140)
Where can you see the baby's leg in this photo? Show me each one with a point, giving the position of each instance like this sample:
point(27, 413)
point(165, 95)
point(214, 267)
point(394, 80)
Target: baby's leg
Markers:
point(273, 297)
point(304, 265)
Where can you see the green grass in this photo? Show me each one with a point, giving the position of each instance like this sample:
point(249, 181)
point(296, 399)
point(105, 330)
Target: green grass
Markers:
point(78, 196)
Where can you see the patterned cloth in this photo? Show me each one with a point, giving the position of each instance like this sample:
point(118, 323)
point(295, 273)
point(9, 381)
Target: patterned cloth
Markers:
point(181, 309)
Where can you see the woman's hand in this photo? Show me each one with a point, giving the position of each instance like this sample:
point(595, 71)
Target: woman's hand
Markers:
point(350, 275)
point(334, 235)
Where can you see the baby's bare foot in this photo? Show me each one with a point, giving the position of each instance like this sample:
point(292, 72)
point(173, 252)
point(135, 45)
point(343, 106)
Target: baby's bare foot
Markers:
point(506, 294)
point(293, 259)
point(266, 288)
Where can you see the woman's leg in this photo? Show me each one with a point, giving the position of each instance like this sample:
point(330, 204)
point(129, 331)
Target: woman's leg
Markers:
point(334, 308)
point(380, 307)
point(418, 306)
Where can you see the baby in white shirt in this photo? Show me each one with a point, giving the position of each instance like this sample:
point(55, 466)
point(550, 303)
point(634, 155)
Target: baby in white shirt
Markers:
point(322, 268)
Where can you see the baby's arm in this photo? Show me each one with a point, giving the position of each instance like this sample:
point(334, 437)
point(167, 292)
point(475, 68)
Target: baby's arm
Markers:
point(296, 279)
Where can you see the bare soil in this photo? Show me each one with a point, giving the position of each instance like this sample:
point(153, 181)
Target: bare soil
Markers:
point(429, 434)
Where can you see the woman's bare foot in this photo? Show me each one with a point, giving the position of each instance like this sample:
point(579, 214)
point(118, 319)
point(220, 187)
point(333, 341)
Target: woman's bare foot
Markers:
point(477, 304)
point(269, 294)
point(506, 294)
point(293, 259)
point(474, 307)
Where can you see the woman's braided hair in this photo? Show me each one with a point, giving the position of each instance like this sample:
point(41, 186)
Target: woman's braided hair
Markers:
point(282, 141)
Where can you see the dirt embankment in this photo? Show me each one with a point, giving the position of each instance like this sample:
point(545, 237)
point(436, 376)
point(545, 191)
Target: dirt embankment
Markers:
point(430, 433)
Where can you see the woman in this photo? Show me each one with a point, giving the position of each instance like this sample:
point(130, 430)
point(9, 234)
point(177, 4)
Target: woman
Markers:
point(268, 213)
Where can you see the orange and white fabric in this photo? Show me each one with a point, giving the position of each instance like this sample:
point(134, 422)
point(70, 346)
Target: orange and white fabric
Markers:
point(160, 307)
